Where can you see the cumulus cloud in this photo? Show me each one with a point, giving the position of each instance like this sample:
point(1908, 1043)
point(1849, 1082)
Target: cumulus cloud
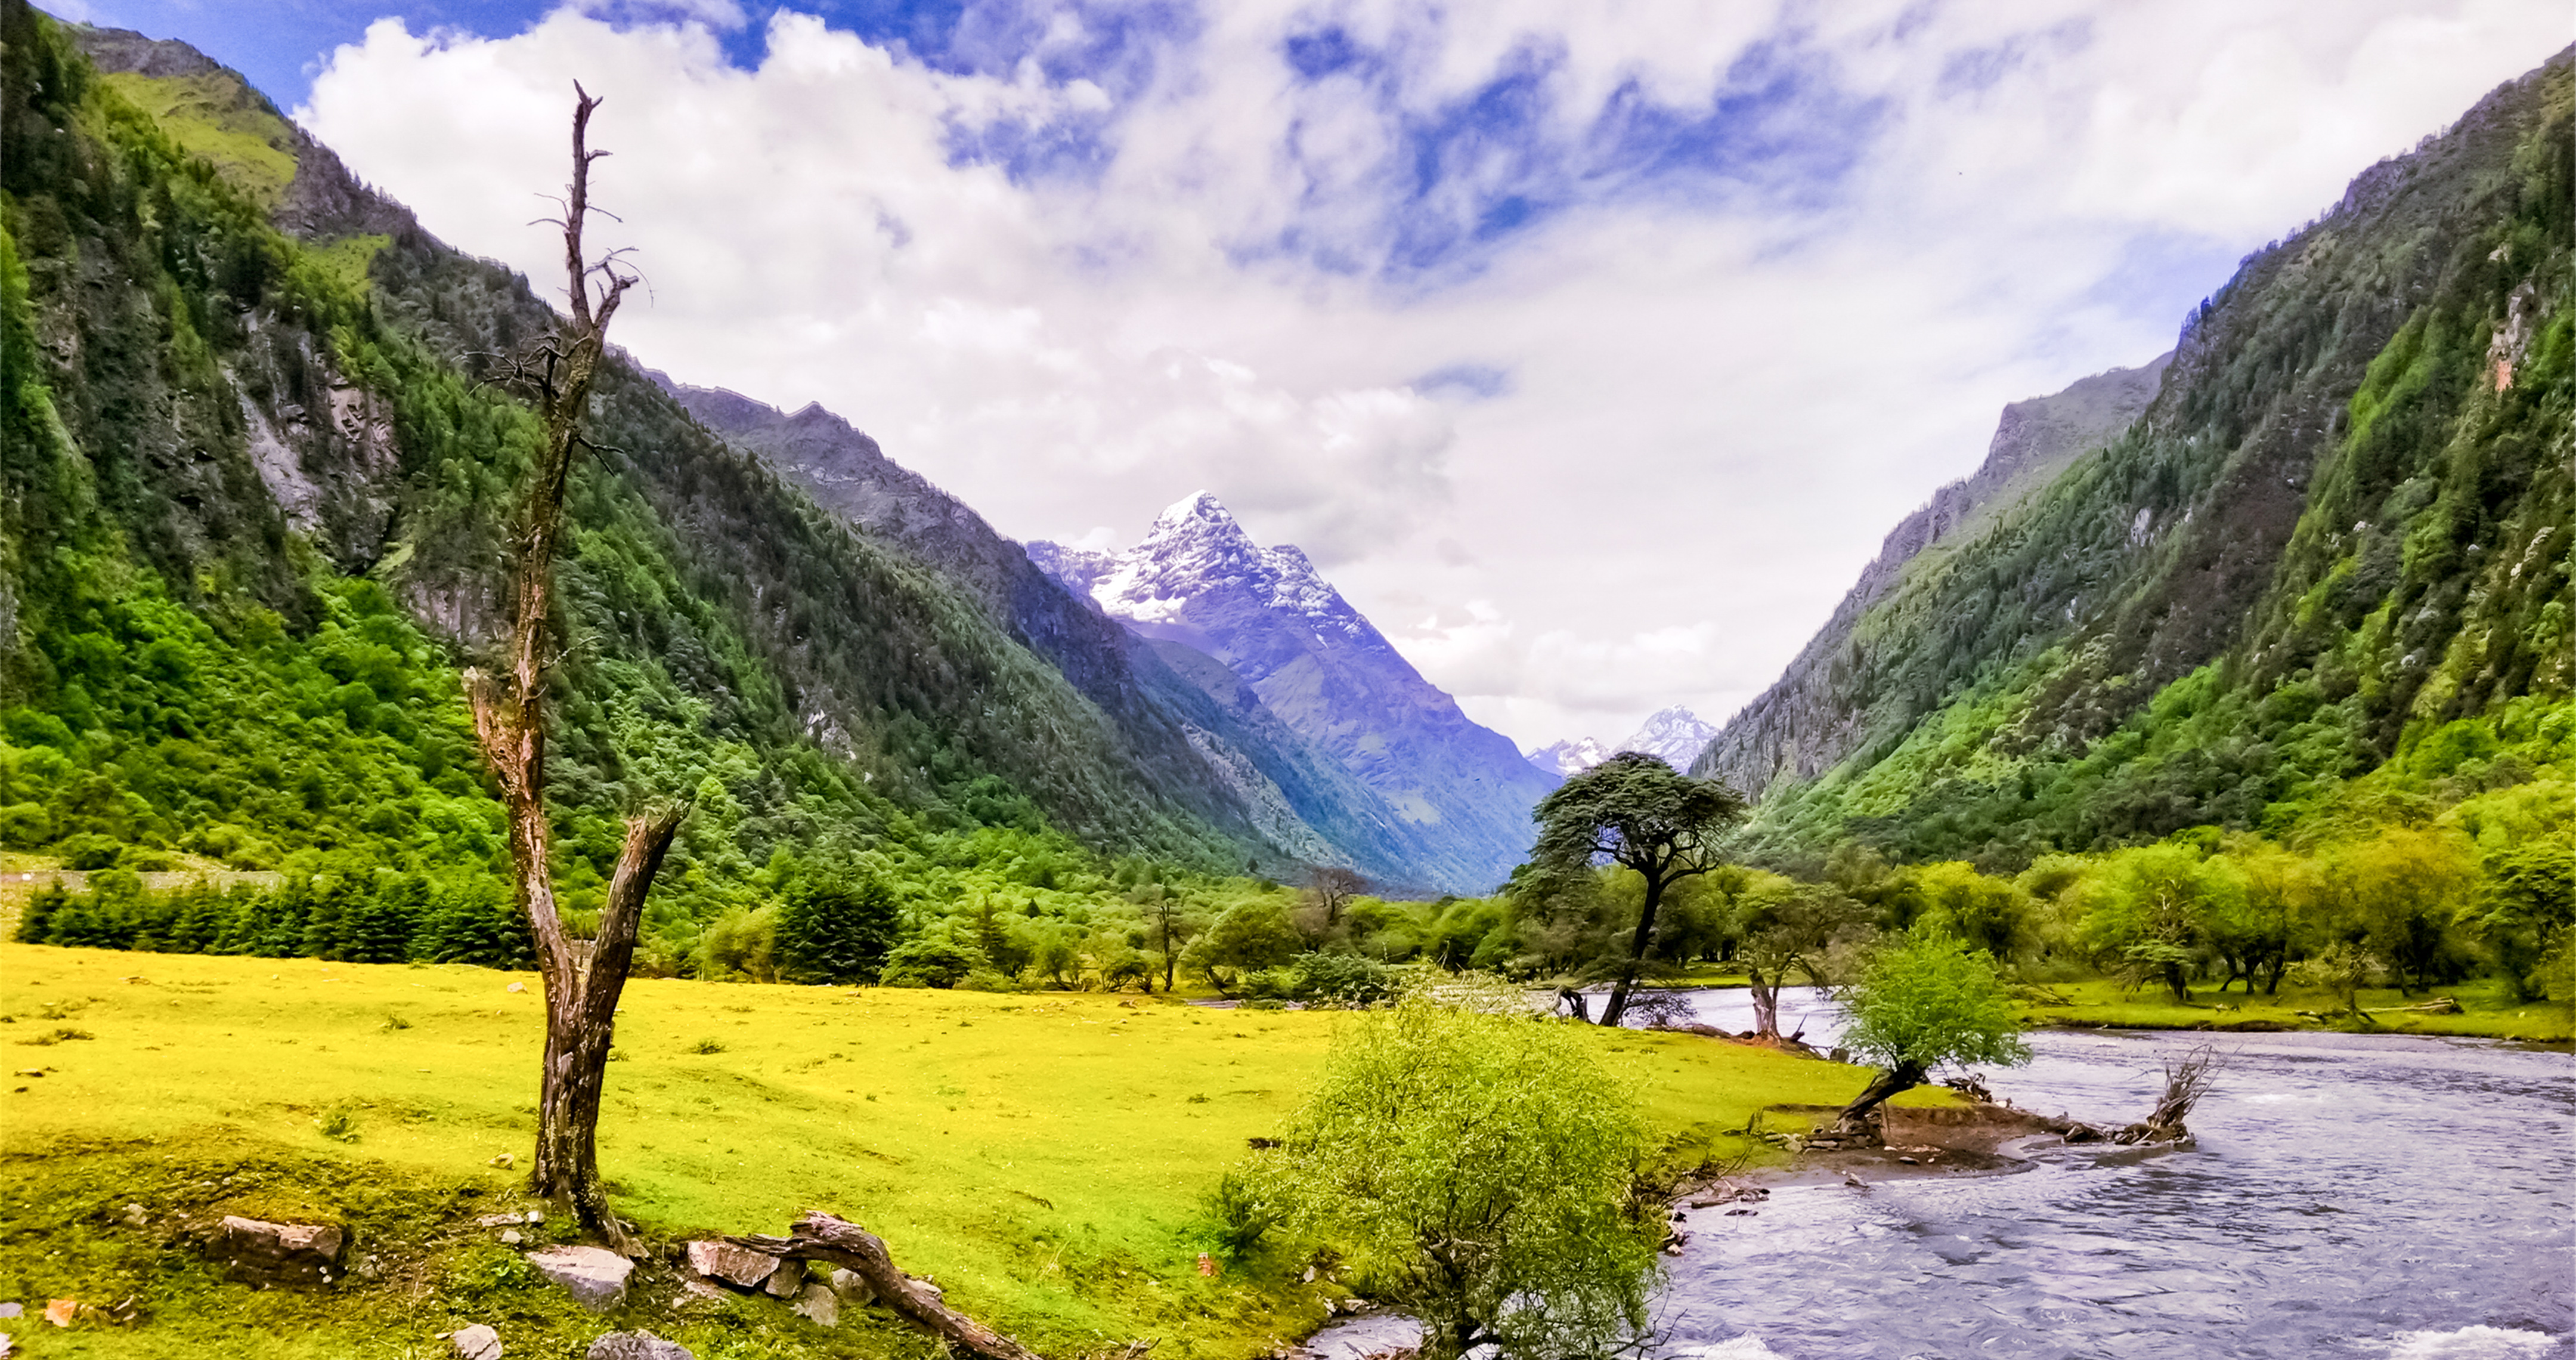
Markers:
point(1590, 347)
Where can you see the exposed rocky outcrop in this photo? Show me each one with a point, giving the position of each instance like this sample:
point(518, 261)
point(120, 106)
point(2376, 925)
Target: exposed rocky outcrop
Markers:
point(279, 1253)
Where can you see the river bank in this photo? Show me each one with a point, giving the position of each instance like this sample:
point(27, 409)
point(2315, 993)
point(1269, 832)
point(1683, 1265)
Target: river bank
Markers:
point(2484, 1010)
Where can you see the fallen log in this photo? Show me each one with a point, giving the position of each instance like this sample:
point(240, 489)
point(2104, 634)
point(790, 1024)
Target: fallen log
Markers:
point(819, 1236)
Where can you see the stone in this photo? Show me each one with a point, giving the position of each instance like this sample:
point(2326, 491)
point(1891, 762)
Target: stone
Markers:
point(820, 1305)
point(60, 1312)
point(516, 987)
point(594, 1275)
point(136, 1216)
point(279, 1253)
point(734, 1265)
point(853, 1288)
point(497, 1221)
point(788, 1282)
point(511, 1237)
point(477, 1342)
point(636, 1346)
point(11, 1310)
point(503, 1161)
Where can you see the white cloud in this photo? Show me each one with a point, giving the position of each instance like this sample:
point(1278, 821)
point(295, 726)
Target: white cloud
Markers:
point(1700, 396)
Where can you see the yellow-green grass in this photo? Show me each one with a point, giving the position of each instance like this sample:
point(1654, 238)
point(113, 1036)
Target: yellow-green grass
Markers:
point(346, 260)
point(2487, 1010)
point(213, 117)
point(1044, 1156)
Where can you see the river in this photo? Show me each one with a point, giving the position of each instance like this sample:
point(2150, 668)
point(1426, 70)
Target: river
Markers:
point(2348, 1195)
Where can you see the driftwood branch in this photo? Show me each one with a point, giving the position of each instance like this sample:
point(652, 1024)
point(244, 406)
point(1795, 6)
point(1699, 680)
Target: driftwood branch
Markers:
point(819, 1236)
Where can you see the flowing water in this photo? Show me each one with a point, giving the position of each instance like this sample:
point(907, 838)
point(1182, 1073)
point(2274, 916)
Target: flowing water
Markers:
point(2348, 1195)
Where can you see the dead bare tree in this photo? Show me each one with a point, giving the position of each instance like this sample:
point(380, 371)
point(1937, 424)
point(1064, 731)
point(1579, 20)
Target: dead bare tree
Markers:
point(582, 977)
point(2188, 1077)
point(1330, 888)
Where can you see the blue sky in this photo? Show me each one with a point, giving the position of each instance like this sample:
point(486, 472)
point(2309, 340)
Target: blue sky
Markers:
point(1590, 346)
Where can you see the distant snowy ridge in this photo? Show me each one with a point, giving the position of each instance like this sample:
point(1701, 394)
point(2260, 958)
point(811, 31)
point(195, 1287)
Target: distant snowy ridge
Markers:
point(1675, 735)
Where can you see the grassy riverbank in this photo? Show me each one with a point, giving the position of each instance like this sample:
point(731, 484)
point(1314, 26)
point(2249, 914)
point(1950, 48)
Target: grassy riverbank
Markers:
point(1043, 1156)
point(2487, 1011)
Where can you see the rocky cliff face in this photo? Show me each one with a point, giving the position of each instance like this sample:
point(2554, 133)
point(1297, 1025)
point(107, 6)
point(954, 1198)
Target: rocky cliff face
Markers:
point(1199, 580)
point(1804, 722)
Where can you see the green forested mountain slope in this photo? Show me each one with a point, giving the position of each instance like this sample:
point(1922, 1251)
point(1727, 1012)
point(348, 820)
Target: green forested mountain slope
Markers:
point(251, 503)
point(2343, 522)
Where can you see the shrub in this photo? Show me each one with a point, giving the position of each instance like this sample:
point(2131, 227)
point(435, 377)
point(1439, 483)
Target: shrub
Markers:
point(931, 961)
point(1482, 1167)
point(88, 850)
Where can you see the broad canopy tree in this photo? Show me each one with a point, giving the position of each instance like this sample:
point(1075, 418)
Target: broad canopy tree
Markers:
point(1636, 811)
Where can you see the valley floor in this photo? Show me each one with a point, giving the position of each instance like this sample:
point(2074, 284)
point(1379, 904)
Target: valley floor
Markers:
point(1045, 1157)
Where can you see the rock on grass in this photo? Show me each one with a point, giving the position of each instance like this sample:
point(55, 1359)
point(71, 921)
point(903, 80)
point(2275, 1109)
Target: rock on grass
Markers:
point(594, 1275)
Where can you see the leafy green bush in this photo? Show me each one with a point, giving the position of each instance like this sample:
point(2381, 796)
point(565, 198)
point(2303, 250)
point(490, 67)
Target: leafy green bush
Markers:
point(1242, 1207)
point(931, 961)
point(89, 850)
point(1480, 1166)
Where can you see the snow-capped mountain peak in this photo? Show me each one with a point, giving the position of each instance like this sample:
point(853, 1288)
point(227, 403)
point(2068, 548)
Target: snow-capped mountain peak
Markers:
point(1266, 615)
point(1197, 547)
point(1675, 735)
point(1568, 758)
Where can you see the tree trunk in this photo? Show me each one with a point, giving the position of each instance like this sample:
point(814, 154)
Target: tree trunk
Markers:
point(583, 978)
point(1766, 1004)
point(1617, 1004)
point(2177, 984)
point(819, 1236)
point(1890, 1082)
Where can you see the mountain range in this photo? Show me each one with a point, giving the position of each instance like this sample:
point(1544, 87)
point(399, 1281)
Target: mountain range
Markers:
point(1322, 730)
point(254, 512)
point(1674, 735)
point(252, 434)
point(2333, 525)
point(1201, 589)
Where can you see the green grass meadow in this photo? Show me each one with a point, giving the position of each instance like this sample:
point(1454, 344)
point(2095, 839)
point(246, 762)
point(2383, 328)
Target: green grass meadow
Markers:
point(1043, 1156)
point(2487, 1010)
